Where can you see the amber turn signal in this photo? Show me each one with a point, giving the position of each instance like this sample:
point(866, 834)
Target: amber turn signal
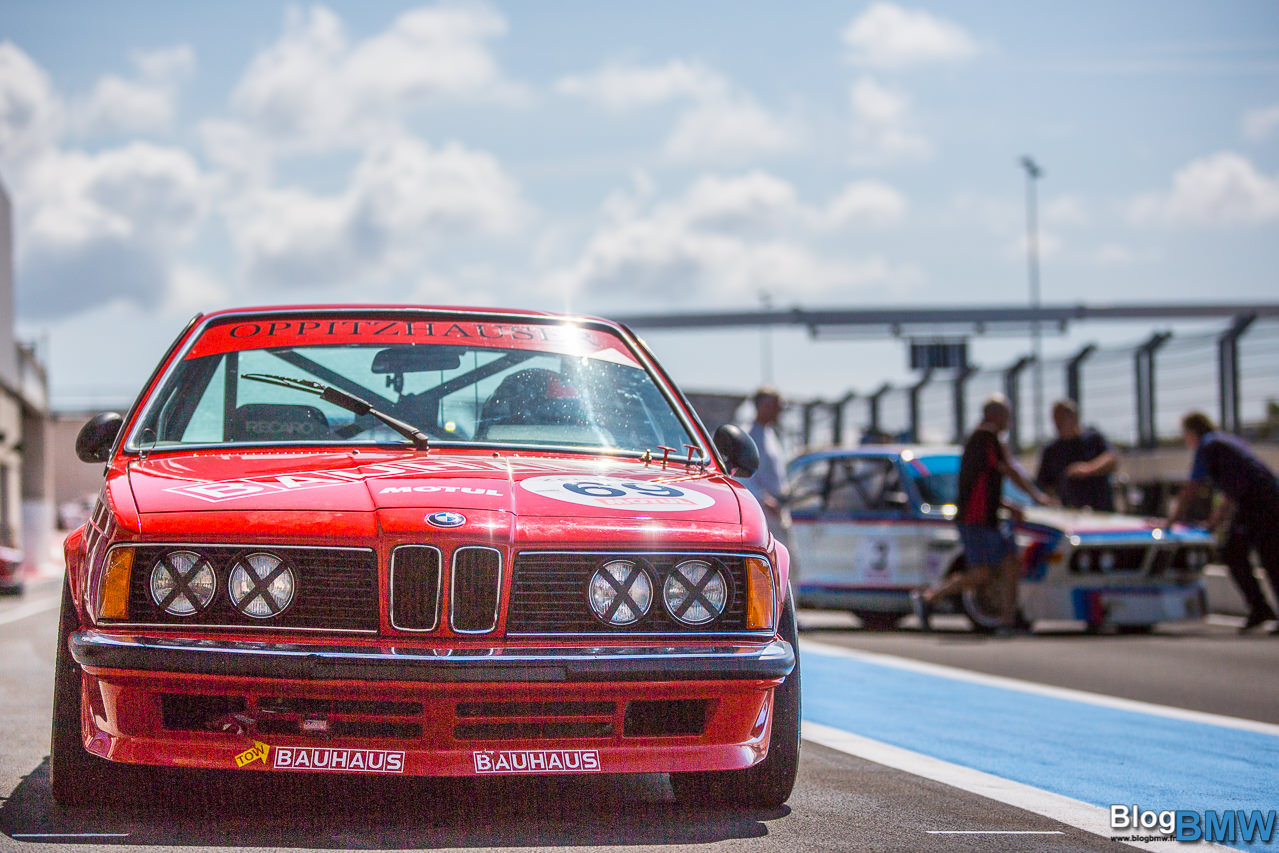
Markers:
point(760, 601)
point(113, 602)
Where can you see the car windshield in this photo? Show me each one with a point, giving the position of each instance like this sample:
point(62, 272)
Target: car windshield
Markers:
point(527, 384)
point(937, 480)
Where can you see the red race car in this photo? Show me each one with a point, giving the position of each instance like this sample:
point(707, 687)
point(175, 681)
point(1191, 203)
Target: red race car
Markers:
point(439, 542)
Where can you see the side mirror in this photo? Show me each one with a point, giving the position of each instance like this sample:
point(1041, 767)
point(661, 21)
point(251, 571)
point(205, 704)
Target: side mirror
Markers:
point(93, 444)
point(738, 450)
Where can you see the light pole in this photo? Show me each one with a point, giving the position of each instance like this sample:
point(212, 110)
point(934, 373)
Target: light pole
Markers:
point(1033, 173)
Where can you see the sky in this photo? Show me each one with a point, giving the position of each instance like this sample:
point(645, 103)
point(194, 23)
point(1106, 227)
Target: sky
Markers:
point(617, 158)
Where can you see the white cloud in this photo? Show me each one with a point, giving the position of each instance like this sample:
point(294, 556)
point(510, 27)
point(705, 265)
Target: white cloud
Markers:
point(31, 114)
point(731, 131)
point(1221, 189)
point(404, 201)
point(725, 238)
point(143, 103)
point(867, 203)
point(883, 127)
point(754, 201)
point(888, 36)
point(621, 87)
point(316, 89)
point(96, 228)
point(1260, 124)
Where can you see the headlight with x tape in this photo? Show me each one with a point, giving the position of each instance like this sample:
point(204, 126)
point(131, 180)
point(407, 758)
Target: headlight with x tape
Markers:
point(261, 585)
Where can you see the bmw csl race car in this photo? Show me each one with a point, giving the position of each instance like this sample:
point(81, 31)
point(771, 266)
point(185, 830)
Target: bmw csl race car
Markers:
point(418, 541)
point(873, 523)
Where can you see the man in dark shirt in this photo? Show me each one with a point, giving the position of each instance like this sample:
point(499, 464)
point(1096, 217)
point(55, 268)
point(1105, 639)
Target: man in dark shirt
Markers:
point(1076, 467)
point(990, 553)
point(1251, 492)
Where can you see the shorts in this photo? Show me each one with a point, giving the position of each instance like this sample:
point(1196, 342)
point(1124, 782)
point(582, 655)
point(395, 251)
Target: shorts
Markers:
point(986, 546)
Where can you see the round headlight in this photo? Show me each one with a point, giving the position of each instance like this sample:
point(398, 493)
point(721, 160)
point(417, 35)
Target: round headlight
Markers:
point(182, 583)
point(620, 593)
point(695, 592)
point(1107, 560)
point(1085, 560)
point(261, 585)
point(1196, 558)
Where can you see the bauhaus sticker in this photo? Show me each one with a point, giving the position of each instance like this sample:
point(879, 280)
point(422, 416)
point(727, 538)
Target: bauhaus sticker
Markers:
point(338, 760)
point(618, 493)
point(537, 761)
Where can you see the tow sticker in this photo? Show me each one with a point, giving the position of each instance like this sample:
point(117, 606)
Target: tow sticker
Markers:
point(618, 493)
point(258, 752)
point(537, 761)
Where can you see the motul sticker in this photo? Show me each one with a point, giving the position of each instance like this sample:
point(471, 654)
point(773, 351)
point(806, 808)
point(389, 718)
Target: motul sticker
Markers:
point(617, 493)
point(537, 761)
point(338, 760)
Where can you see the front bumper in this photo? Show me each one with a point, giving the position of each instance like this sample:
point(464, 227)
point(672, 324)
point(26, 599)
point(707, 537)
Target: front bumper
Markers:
point(728, 662)
point(446, 712)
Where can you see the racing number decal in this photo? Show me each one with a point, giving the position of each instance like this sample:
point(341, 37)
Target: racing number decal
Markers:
point(874, 559)
point(618, 493)
point(879, 561)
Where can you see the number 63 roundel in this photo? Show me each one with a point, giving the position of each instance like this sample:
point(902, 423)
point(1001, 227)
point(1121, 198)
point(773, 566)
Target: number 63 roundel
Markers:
point(615, 492)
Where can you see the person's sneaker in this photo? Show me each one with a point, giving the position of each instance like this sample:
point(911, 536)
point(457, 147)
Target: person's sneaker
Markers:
point(922, 610)
point(1254, 619)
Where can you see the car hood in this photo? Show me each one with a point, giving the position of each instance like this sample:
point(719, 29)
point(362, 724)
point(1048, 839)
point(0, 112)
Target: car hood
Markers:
point(1103, 525)
point(368, 481)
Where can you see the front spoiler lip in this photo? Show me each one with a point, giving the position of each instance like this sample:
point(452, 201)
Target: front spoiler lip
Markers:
point(724, 662)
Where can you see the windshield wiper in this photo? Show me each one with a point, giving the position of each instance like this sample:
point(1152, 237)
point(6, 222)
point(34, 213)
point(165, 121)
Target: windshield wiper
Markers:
point(350, 402)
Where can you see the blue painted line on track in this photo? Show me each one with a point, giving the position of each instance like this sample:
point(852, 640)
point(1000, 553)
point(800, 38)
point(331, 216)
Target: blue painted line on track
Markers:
point(1096, 754)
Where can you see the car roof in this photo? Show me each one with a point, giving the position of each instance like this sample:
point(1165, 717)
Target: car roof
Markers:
point(365, 308)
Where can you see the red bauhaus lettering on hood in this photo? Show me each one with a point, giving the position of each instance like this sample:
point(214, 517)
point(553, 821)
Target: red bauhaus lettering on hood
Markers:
point(559, 486)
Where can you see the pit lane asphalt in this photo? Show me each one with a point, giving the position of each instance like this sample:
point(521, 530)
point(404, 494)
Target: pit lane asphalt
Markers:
point(841, 802)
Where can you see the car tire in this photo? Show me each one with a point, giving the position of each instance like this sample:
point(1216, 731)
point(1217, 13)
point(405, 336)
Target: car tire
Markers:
point(76, 777)
point(769, 783)
point(876, 620)
point(982, 613)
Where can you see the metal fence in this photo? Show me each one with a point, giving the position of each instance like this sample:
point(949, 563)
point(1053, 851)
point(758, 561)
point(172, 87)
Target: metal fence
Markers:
point(1135, 394)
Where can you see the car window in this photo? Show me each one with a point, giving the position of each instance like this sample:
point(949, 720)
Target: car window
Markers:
point(808, 487)
point(505, 384)
point(859, 484)
point(937, 480)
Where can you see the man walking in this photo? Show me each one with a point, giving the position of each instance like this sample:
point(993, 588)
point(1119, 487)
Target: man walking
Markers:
point(1251, 493)
point(1076, 467)
point(990, 552)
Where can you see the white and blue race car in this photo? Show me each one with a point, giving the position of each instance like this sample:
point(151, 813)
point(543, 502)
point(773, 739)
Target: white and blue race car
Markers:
point(872, 523)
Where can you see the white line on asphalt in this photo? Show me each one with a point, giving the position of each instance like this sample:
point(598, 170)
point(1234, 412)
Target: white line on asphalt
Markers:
point(69, 835)
point(993, 832)
point(1098, 699)
point(1081, 815)
point(23, 611)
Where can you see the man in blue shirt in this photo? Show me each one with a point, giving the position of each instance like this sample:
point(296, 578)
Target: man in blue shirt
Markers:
point(1225, 463)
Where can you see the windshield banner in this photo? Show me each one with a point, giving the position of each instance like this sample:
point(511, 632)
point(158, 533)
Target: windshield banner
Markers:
point(558, 338)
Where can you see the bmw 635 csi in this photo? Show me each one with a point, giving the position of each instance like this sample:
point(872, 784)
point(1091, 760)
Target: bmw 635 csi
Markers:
point(400, 540)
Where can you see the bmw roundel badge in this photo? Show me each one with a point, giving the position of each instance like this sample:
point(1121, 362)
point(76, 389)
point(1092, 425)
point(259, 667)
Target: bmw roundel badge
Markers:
point(446, 519)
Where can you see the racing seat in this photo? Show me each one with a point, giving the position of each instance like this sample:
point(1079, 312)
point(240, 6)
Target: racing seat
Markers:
point(278, 422)
point(537, 404)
